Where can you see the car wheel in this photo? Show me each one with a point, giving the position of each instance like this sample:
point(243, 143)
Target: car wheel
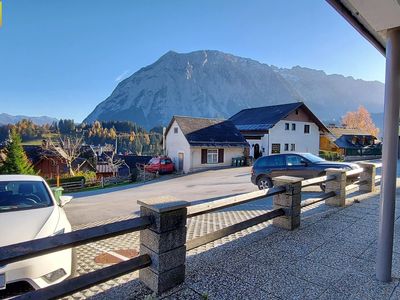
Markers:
point(264, 182)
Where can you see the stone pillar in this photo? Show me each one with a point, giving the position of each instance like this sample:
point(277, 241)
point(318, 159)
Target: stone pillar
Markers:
point(338, 186)
point(289, 201)
point(165, 242)
point(368, 175)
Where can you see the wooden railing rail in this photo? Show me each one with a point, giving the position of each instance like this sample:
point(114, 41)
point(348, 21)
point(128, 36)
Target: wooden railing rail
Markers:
point(317, 180)
point(29, 249)
point(216, 235)
point(203, 208)
point(354, 172)
point(320, 198)
point(88, 280)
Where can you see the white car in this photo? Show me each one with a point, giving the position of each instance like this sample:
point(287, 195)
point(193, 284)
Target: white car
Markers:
point(28, 211)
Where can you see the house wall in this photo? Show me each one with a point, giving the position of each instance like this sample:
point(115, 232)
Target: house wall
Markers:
point(326, 144)
point(229, 153)
point(176, 143)
point(253, 142)
point(50, 168)
point(304, 142)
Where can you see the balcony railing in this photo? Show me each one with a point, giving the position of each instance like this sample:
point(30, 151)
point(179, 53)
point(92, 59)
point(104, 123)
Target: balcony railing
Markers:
point(162, 227)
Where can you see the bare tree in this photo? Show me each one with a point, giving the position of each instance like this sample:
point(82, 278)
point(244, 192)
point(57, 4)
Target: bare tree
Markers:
point(67, 148)
point(114, 161)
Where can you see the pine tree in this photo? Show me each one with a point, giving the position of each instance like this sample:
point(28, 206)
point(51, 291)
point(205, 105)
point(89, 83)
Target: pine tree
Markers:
point(16, 161)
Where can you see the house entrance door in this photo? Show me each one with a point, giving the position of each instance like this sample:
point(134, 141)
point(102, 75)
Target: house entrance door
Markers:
point(180, 161)
point(257, 153)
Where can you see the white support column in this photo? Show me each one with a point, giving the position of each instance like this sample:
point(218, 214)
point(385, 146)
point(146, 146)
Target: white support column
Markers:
point(390, 144)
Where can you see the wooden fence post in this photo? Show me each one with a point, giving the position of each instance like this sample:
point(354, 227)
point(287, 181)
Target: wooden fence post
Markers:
point(368, 175)
point(289, 201)
point(338, 186)
point(165, 242)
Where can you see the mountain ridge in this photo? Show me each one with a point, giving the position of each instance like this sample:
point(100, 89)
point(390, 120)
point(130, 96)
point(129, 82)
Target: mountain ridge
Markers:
point(211, 83)
point(11, 119)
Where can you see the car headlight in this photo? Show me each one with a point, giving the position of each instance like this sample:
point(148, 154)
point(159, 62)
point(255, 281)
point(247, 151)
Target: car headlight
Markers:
point(55, 275)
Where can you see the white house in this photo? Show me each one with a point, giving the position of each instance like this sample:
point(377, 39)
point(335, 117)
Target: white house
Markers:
point(279, 129)
point(199, 143)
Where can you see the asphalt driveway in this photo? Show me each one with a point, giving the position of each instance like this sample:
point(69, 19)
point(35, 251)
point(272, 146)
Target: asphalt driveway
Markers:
point(99, 205)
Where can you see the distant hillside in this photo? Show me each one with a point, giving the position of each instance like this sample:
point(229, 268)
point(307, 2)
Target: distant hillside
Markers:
point(216, 84)
point(9, 119)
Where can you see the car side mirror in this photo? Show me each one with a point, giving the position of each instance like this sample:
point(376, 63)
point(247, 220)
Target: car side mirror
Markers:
point(64, 200)
point(304, 163)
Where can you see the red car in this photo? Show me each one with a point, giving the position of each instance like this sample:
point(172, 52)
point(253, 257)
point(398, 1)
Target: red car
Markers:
point(162, 165)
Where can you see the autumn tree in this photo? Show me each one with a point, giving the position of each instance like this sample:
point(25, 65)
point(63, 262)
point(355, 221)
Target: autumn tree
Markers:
point(360, 119)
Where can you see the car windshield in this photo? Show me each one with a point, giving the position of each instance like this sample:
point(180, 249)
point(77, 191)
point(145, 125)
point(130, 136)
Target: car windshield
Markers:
point(20, 195)
point(154, 161)
point(311, 157)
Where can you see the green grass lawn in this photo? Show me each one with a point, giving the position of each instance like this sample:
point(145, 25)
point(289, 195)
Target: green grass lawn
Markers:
point(38, 142)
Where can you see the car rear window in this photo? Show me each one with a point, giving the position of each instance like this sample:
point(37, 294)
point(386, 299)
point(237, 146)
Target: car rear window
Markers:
point(270, 161)
point(21, 195)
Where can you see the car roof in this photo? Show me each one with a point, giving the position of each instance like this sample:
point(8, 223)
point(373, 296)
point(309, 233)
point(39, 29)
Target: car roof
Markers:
point(20, 178)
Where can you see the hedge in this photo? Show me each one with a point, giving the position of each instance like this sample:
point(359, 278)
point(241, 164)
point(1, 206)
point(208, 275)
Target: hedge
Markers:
point(329, 155)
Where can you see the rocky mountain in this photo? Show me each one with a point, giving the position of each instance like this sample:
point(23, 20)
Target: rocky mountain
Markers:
point(9, 119)
point(216, 84)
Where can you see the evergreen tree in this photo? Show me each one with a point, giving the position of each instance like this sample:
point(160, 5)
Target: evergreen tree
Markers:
point(16, 161)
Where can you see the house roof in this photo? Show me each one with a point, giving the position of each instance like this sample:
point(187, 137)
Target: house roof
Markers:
point(346, 141)
point(209, 132)
point(80, 161)
point(34, 153)
point(264, 118)
point(340, 131)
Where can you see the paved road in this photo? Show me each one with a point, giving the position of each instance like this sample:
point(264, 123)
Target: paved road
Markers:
point(102, 205)
point(99, 205)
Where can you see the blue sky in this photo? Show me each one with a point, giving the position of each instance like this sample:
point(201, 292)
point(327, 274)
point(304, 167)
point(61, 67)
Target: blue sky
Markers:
point(61, 58)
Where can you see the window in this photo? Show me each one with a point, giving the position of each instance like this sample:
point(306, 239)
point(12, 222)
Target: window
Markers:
point(286, 126)
point(293, 160)
point(292, 147)
point(286, 147)
point(306, 128)
point(270, 161)
point(175, 129)
point(22, 195)
point(275, 148)
point(212, 156)
point(293, 126)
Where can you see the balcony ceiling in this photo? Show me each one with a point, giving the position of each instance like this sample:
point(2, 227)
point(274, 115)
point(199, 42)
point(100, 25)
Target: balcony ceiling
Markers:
point(372, 18)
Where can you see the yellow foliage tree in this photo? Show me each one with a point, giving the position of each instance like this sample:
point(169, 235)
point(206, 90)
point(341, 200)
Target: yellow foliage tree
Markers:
point(360, 119)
